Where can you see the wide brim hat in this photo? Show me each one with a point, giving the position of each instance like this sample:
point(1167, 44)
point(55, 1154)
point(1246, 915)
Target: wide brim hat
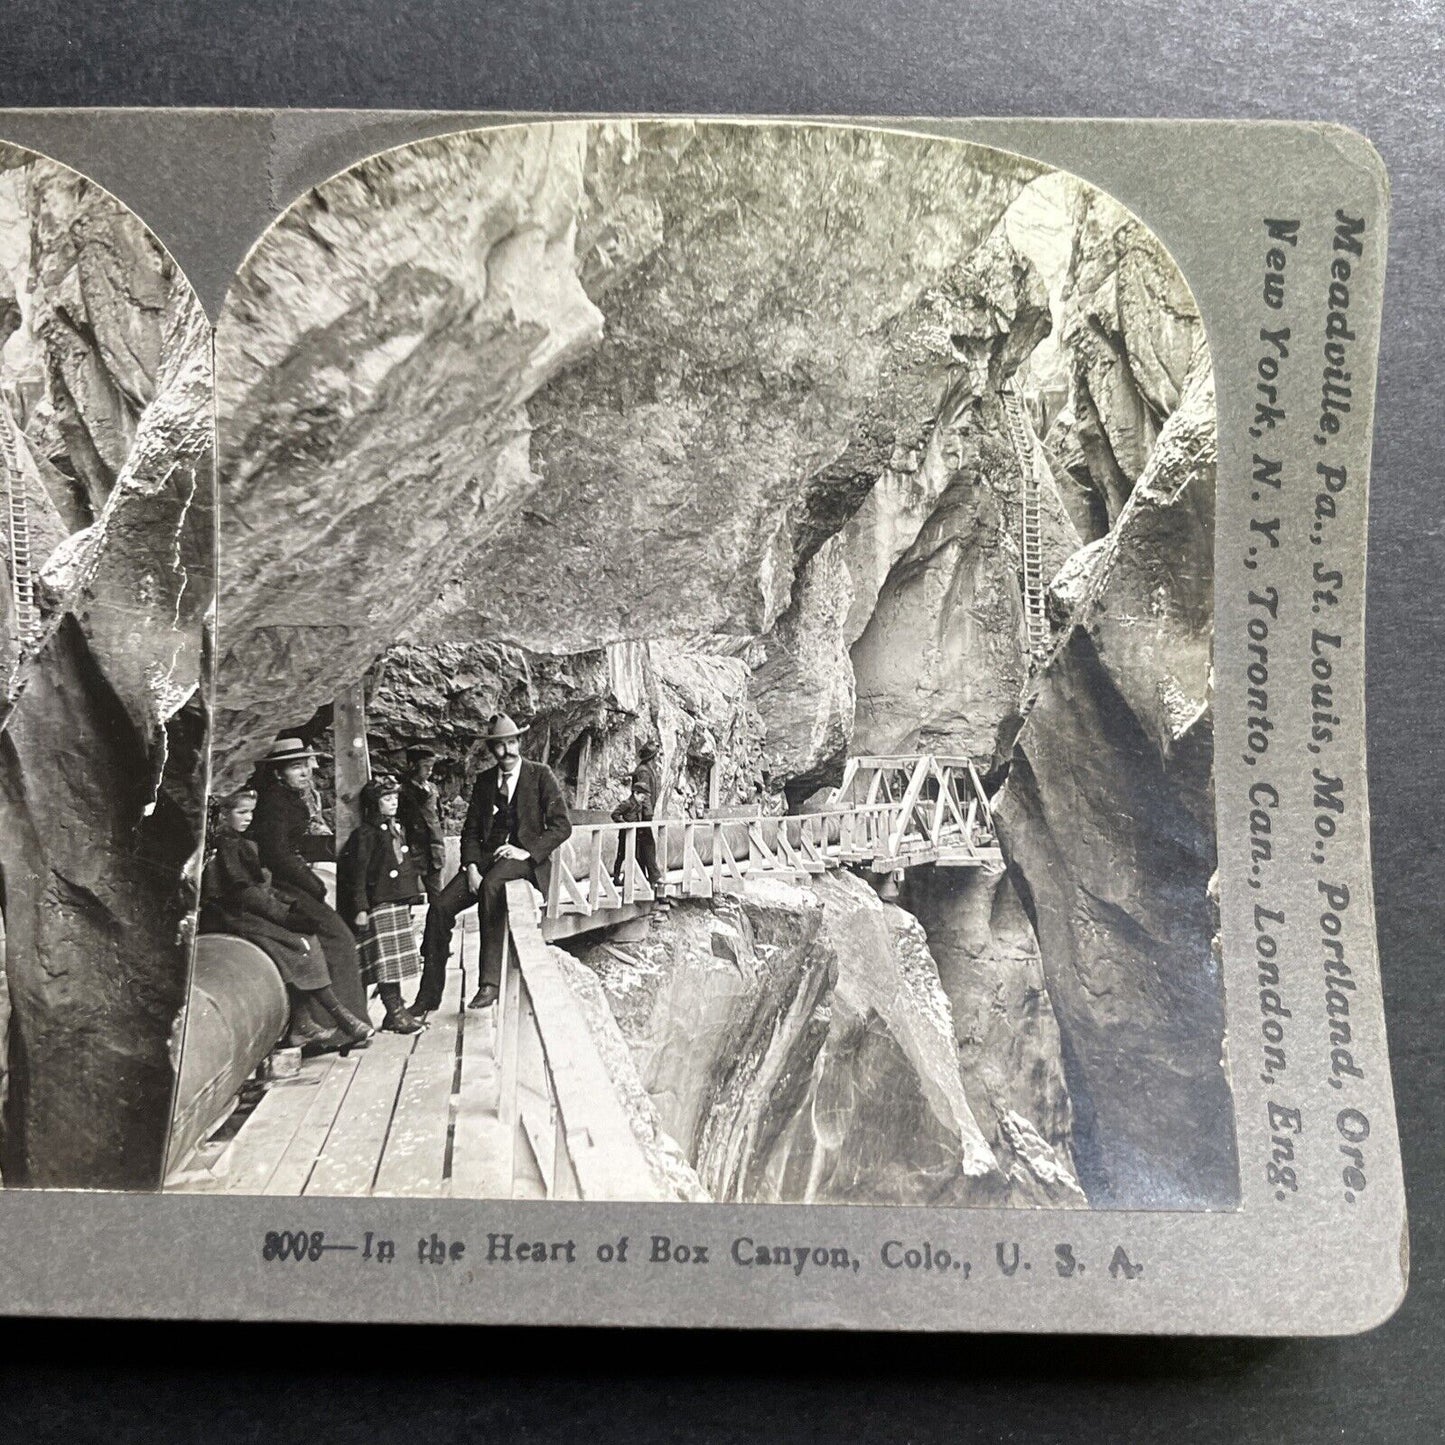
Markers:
point(500, 728)
point(289, 750)
point(419, 751)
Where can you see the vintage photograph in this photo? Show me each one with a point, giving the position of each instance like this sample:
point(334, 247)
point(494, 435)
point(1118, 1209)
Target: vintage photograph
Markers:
point(108, 542)
point(713, 685)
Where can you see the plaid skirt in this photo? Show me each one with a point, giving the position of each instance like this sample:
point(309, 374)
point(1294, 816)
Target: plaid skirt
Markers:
point(387, 946)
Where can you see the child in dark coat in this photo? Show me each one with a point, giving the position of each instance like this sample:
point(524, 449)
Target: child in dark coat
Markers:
point(237, 896)
point(377, 881)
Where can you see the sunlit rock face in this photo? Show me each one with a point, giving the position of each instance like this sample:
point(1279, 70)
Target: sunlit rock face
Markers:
point(943, 659)
point(802, 684)
point(106, 374)
point(940, 656)
point(797, 1043)
point(1131, 332)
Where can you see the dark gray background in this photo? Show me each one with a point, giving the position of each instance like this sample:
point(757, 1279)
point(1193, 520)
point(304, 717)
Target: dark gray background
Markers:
point(1375, 67)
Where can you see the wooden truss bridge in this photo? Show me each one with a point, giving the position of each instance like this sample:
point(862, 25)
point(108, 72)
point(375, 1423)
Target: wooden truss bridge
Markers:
point(888, 814)
point(516, 1102)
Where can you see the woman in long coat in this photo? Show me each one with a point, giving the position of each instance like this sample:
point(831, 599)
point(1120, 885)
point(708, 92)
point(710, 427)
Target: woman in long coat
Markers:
point(282, 826)
point(237, 897)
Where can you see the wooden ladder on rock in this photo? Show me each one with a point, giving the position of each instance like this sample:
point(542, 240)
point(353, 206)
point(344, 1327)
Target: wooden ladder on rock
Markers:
point(1021, 436)
point(22, 577)
point(17, 514)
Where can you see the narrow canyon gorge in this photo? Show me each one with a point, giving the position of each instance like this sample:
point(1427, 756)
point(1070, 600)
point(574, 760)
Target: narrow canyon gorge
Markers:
point(700, 433)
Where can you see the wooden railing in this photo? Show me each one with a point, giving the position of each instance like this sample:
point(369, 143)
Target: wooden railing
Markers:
point(565, 1128)
point(564, 1124)
point(888, 814)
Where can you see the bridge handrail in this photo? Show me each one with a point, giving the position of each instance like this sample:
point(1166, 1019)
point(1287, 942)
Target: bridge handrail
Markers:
point(556, 1097)
point(580, 878)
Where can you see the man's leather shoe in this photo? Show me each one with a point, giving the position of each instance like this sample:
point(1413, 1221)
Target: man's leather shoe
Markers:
point(484, 997)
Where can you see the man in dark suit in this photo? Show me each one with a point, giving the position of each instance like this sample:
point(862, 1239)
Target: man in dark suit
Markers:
point(516, 820)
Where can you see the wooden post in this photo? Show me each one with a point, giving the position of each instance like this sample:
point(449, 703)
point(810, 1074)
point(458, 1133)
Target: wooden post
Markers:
point(628, 840)
point(714, 786)
point(353, 765)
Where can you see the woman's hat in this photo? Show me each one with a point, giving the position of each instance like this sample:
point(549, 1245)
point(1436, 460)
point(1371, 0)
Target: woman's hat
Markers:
point(502, 727)
point(289, 750)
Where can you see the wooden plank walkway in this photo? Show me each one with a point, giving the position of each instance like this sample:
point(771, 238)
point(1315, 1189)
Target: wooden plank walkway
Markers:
point(409, 1116)
point(423, 1115)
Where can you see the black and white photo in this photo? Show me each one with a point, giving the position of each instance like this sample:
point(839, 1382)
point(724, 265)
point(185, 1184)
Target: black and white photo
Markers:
point(780, 559)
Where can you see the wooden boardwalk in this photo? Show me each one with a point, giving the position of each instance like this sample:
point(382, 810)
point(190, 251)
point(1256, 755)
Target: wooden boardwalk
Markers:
point(457, 1112)
point(413, 1115)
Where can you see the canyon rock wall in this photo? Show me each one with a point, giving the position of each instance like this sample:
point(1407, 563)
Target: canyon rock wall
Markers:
point(1007, 1038)
point(578, 384)
point(103, 730)
point(1131, 332)
point(671, 1169)
point(694, 705)
point(1107, 822)
point(693, 433)
point(797, 1043)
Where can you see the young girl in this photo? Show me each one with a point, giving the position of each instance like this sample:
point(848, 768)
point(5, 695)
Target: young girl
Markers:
point(237, 897)
point(377, 881)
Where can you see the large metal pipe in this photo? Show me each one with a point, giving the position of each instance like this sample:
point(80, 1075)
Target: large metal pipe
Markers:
point(236, 1013)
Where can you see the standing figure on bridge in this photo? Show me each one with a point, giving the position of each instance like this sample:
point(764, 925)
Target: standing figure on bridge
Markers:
point(641, 806)
point(419, 810)
point(516, 820)
point(376, 884)
point(286, 844)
